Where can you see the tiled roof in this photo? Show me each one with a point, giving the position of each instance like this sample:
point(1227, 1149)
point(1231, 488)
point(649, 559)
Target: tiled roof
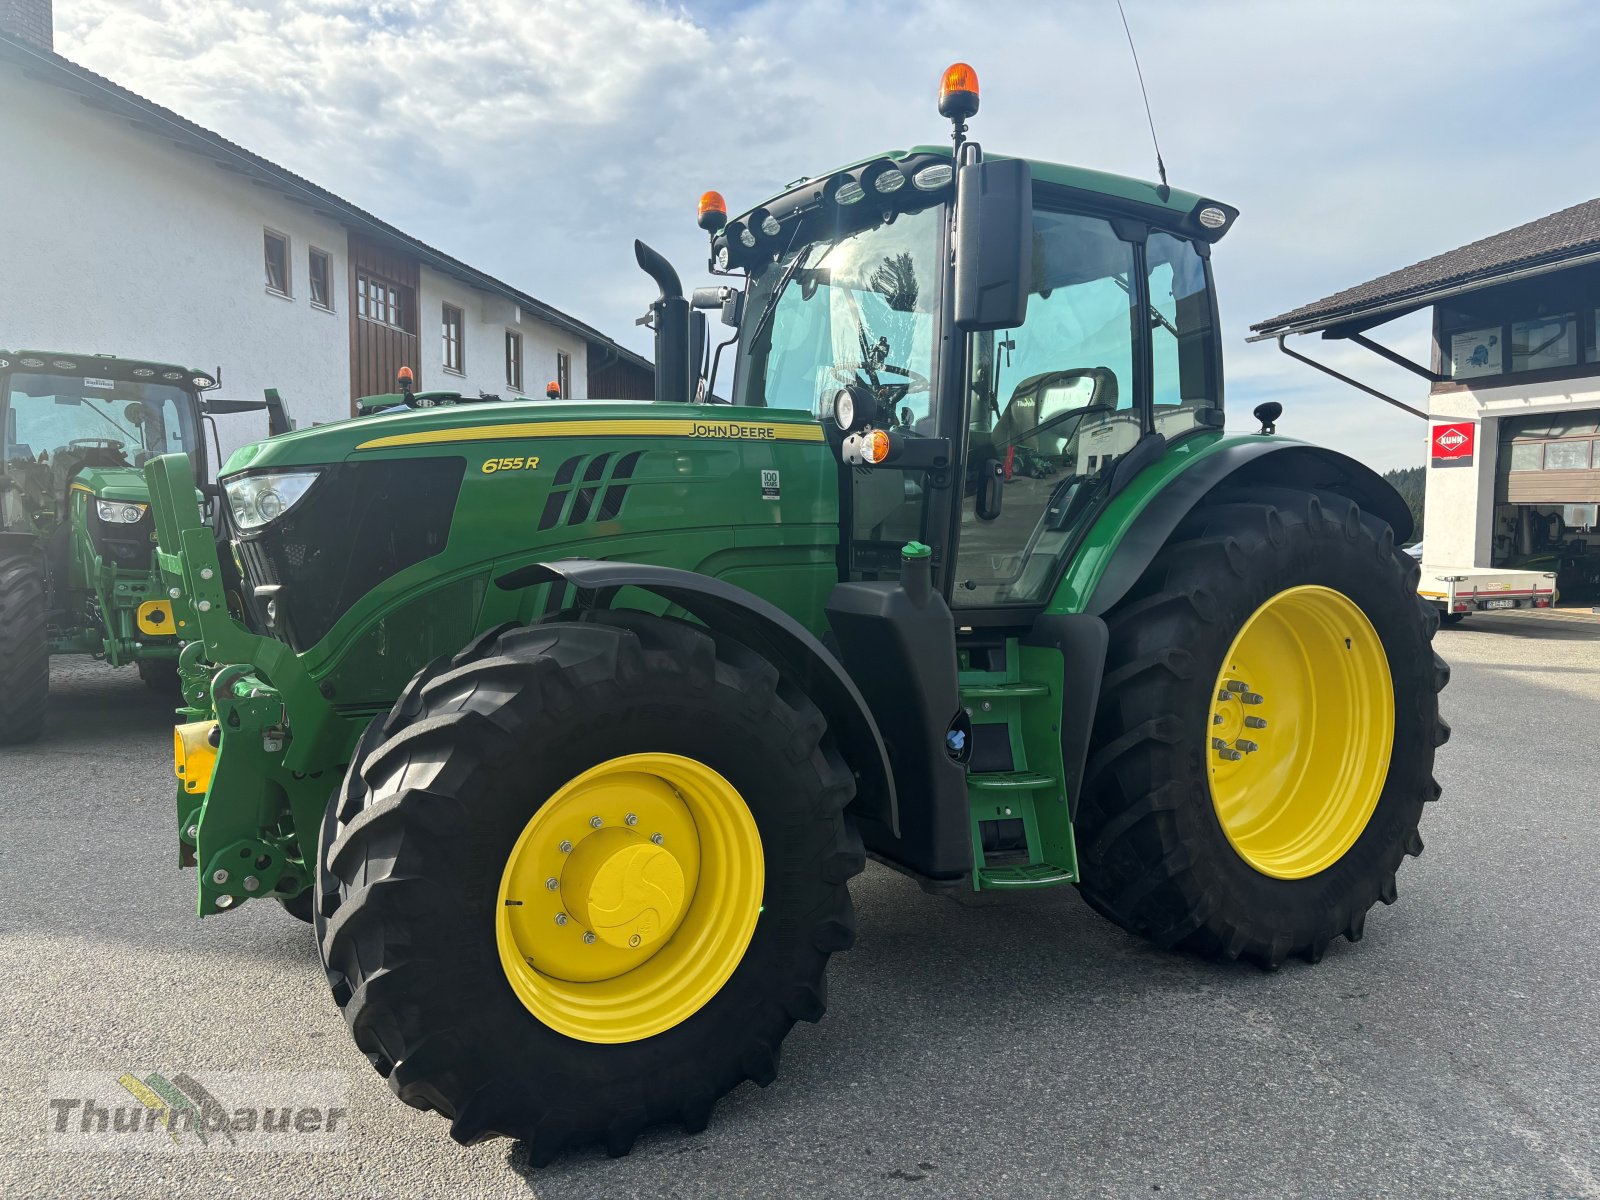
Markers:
point(1560, 236)
point(102, 93)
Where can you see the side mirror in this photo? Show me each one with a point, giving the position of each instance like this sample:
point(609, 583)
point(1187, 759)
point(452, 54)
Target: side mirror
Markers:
point(991, 489)
point(994, 244)
point(277, 415)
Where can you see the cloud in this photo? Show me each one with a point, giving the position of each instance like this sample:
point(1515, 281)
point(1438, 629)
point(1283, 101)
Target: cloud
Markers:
point(536, 139)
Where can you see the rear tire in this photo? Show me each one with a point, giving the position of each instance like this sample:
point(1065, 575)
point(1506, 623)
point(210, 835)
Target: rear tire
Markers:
point(24, 648)
point(1155, 855)
point(417, 841)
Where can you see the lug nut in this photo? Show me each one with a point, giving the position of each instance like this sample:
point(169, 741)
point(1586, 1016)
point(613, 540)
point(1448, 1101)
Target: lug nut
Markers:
point(1255, 722)
point(1216, 718)
point(552, 883)
point(251, 883)
point(561, 918)
point(1224, 694)
point(219, 877)
point(588, 939)
point(1246, 745)
point(1251, 698)
point(1230, 755)
point(595, 822)
point(630, 819)
point(1235, 686)
point(566, 847)
point(1218, 744)
point(657, 838)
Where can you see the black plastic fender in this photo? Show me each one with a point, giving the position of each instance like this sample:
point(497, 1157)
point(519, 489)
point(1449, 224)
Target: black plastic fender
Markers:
point(1268, 461)
point(765, 629)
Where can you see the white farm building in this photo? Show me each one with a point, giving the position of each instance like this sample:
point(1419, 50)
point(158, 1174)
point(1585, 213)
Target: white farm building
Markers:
point(224, 259)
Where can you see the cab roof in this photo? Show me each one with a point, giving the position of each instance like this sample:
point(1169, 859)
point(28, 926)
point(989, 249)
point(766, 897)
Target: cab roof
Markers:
point(109, 366)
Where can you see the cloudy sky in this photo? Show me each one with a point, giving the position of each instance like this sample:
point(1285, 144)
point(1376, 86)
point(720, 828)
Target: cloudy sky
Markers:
point(536, 138)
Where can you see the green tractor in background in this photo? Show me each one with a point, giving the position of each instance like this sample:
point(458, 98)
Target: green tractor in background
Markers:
point(576, 719)
point(76, 536)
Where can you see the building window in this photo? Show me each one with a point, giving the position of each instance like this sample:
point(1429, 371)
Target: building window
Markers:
point(381, 302)
point(1566, 456)
point(319, 272)
point(1527, 456)
point(564, 373)
point(453, 326)
point(276, 246)
point(513, 360)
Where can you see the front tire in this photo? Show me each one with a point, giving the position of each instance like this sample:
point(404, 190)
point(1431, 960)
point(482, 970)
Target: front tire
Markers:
point(24, 648)
point(1275, 837)
point(440, 830)
point(161, 676)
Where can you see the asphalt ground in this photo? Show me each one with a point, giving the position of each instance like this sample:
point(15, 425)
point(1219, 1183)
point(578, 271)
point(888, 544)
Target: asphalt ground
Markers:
point(1012, 1045)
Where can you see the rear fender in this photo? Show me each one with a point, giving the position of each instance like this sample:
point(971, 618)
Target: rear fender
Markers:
point(766, 630)
point(1262, 461)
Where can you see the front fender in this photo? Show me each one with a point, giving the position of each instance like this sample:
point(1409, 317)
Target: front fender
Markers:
point(766, 630)
point(1134, 527)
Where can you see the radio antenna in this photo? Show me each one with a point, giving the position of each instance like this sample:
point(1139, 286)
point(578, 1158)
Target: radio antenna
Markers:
point(1161, 167)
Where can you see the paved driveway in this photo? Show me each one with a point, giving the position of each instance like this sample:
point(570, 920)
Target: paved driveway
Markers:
point(1014, 1045)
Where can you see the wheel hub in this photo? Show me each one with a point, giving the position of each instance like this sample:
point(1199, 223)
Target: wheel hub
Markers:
point(625, 890)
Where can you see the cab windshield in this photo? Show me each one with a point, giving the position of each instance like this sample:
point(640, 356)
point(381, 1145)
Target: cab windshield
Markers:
point(98, 422)
point(855, 309)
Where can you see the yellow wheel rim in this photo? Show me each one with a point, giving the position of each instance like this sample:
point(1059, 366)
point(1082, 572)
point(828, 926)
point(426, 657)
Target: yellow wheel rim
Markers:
point(630, 898)
point(1300, 730)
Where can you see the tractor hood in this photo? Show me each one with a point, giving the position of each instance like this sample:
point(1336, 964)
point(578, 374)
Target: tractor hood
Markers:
point(461, 424)
point(114, 483)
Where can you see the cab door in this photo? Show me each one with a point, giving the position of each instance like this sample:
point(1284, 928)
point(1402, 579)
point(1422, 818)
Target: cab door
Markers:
point(1118, 350)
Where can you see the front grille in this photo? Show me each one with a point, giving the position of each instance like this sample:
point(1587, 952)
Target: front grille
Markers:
point(359, 524)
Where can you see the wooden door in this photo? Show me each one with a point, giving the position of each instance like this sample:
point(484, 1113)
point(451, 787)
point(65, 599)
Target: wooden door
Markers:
point(383, 318)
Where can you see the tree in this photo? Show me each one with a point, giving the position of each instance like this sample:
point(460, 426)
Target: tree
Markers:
point(1409, 481)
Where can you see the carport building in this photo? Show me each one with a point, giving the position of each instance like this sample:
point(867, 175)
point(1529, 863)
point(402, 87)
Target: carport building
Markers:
point(1513, 411)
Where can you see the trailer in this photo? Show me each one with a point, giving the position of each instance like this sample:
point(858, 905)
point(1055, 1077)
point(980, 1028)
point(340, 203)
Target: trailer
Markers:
point(1457, 591)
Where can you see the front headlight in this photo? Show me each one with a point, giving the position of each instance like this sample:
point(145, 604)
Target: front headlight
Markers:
point(256, 500)
point(119, 512)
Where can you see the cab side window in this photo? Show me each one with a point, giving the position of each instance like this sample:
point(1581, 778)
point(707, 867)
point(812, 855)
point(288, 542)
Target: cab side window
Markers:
point(1183, 344)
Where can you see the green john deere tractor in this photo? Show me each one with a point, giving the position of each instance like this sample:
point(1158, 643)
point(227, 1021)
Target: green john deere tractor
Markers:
point(577, 718)
point(76, 537)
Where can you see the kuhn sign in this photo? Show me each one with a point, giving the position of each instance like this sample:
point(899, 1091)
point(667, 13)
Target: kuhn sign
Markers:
point(1453, 443)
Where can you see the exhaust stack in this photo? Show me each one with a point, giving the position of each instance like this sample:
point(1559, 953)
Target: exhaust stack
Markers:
point(669, 317)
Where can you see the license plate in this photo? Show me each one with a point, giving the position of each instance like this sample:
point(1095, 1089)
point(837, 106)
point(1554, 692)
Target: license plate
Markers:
point(1500, 604)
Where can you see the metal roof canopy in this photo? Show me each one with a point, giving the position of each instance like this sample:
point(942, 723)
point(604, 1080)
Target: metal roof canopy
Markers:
point(1564, 239)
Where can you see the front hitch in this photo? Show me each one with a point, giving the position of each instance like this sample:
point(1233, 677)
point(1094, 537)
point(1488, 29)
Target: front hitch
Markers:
point(256, 758)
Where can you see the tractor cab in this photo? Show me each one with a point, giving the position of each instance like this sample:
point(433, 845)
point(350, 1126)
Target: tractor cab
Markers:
point(994, 438)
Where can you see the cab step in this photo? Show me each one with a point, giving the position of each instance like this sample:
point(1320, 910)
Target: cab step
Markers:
point(1002, 690)
point(1010, 781)
point(1029, 875)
